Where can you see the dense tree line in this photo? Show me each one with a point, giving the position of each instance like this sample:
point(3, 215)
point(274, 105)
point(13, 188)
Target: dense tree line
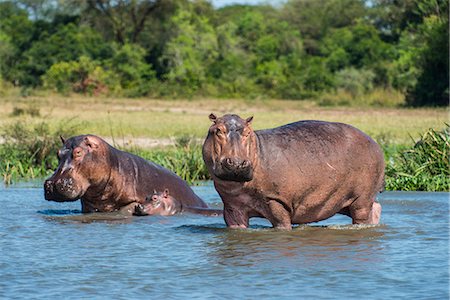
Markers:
point(182, 48)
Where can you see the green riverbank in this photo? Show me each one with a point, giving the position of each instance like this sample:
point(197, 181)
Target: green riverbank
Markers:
point(422, 165)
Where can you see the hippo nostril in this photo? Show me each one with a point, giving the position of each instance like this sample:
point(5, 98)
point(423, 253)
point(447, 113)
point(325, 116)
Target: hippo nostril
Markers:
point(245, 164)
point(48, 186)
point(229, 162)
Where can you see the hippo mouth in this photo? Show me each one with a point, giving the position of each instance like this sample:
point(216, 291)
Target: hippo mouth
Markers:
point(234, 175)
point(55, 191)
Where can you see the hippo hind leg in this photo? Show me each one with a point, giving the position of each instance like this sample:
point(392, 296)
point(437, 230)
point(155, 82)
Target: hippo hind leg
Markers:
point(363, 212)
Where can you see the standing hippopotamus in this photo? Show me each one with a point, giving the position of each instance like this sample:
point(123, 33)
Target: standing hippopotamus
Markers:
point(162, 203)
point(298, 173)
point(107, 179)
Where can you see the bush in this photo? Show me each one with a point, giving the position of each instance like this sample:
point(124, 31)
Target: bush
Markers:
point(133, 74)
point(378, 97)
point(423, 167)
point(30, 151)
point(354, 81)
point(83, 76)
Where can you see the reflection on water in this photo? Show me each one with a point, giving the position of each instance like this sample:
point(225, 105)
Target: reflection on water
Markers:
point(304, 246)
point(65, 216)
point(51, 251)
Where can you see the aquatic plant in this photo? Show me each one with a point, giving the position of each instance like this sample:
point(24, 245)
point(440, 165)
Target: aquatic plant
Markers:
point(424, 166)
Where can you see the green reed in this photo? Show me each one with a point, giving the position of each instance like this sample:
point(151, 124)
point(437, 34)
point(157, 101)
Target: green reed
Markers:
point(422, 167)
point(186, 161)
point(29, 151)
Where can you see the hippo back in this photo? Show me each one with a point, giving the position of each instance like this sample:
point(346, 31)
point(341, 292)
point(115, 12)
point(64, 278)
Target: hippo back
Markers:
point(147, 176)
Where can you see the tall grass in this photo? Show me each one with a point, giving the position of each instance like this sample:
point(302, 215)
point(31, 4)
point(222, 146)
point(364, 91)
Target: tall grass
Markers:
point(29, 150)
point(185, 159)
point(374, 98)
point(422, 167)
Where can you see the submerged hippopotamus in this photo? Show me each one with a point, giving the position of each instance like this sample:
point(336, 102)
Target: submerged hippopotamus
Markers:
point(298, 173)
point(162, 203)
point(107, 179)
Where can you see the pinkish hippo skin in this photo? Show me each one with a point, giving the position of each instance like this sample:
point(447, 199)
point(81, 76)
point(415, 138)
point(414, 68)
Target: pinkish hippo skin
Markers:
point(298, 173)
point(162, 203)
point(106, 179)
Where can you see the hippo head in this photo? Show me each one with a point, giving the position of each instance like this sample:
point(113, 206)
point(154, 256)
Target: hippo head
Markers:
point(230, 147)
point(158, 201)
point(82, 163)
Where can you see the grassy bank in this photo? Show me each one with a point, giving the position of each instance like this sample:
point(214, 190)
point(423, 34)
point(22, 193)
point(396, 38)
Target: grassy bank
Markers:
point(30, 129)
point(131, 119)
point(423, 166)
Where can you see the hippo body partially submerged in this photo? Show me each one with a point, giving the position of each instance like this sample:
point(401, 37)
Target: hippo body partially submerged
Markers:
point(106, 179)
point(295, 174)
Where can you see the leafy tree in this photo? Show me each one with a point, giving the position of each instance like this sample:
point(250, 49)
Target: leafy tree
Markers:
point(231, 71)
point(83, 76)
point(354, 81)
point(432, 87)
point(126, 18)
point(191, 51)
point(7, 54)
point(68, 43)
point(314, 18)
point(316, 76)
point(358, 46)
point(14, 23)
point(421, 67)
point(129, 65)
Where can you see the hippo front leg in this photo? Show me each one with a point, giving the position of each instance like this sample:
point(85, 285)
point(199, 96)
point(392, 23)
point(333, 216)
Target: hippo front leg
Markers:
point(139, 210)
point(129, 209)
point(235, 217)
point(281, 217)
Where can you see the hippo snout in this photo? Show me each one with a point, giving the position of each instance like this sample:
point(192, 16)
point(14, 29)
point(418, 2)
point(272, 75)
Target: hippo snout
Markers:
point(235, 163)
point(61, 190)
point(235, 169)
point(48, 189)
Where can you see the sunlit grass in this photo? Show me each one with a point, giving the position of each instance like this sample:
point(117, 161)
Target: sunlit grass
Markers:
point(163, 119)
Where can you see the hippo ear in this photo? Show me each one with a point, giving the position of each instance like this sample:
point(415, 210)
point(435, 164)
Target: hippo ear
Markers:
point(90, 142)
point(213, 118)
point(249, 120)
point(63, 140)
point(166, 193)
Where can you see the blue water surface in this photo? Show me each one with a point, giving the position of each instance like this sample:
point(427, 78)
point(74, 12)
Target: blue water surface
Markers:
point(51, 251)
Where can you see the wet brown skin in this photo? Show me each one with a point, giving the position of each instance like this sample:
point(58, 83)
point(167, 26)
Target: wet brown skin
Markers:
point(298, 173)
point(106, 179)
point(164, 204)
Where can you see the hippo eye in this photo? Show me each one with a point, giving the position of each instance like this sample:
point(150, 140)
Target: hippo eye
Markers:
point(77, 153)
point(156, 203)
point(219, 132)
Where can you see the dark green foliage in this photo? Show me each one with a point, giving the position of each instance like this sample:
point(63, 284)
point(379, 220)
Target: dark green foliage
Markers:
point(432, 83)
point(182, 49)
point(423, 167)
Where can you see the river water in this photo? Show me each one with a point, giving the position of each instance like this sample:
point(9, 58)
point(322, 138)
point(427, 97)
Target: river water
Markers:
point(50, 251)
